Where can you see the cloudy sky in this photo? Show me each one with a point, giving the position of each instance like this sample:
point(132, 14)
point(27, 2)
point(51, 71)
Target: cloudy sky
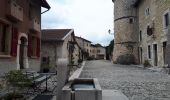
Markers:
point(90, 19)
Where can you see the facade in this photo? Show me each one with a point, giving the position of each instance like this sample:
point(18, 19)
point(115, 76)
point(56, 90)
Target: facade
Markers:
point(85, 45)
point(152, 19)
point(20, 34)
point(98, 51)
point(58, 43)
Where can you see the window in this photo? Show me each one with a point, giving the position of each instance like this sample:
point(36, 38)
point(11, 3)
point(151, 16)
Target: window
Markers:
point(130, 20)
point(98, 51)
point(147, 12)
point(164, 51)
point(140, 36)
point(34, 45)
point(4, 41)
point(166, 20)
point(149, 51)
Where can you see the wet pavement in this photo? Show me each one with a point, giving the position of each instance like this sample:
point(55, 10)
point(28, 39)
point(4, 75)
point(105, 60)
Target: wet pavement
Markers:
point(136, 83)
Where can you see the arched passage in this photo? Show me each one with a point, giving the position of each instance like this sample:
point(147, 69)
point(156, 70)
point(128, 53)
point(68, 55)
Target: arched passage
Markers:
point(22, 59)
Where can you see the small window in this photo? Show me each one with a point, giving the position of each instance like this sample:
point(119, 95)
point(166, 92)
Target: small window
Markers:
point(149, 51)
point(4, 38)
point(166, 19)
point(130, 20)
point(140, 36)
point(147, 12)
point(34, 45)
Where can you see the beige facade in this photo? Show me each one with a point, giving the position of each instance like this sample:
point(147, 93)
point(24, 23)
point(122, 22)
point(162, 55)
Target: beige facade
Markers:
point(97, 51)
point(151, 14)
point(152, 21)
point(58, 46)
point(85, 46)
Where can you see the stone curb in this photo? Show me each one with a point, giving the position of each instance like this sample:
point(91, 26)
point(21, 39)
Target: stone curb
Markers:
point(77, 73)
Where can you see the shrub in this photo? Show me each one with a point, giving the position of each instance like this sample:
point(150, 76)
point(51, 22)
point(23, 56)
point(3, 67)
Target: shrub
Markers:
point(126, 59)
point(90, 58)
point(80, 61)
point(146, 63)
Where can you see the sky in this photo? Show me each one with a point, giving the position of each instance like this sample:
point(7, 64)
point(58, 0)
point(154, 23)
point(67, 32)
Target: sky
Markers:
point(90, 19)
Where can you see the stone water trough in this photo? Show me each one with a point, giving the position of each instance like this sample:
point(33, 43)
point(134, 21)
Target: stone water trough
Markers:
point(82, 89)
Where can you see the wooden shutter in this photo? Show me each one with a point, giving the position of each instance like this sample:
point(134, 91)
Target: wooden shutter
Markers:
point(38, 47)
point(14, 41)
point(29, 52)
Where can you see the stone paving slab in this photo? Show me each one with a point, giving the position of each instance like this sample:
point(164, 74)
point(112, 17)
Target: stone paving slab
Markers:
point(113, 95)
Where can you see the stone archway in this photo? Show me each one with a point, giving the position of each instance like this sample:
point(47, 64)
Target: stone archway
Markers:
point(22, 59)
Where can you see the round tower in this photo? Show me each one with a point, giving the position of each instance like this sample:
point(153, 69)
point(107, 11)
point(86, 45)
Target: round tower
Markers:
point(125, 32)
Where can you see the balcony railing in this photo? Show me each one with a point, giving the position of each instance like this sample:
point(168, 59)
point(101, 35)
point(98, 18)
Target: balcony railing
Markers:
point(35, 25)
point(14, 11)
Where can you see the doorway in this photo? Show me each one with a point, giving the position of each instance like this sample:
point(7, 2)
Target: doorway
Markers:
point(140, 55)
point(164, 51)
point(22, 52)
point(155, 49)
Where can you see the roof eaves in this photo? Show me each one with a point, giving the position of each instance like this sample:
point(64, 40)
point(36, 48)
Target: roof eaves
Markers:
point(45, 4)
point(71, 31)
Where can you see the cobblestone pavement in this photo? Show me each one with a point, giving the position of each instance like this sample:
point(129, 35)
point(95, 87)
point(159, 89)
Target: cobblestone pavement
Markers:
point(136, 83)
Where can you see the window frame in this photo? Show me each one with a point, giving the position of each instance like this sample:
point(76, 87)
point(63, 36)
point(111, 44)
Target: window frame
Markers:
point(147, 11)
point(149, 52)
point(164, 21)
point(7, 43)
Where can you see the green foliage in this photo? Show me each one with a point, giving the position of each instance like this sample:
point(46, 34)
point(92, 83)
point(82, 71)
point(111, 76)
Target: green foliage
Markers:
point(16, 78)
point(80, 61)
point(110, 47)
point(146, 63)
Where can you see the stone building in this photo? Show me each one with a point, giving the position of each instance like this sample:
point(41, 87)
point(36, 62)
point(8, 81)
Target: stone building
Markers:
point(58, 43)
point(85, 46)
point(149, 21)
point(20, 34)
point(125, 32)
point(97, 51)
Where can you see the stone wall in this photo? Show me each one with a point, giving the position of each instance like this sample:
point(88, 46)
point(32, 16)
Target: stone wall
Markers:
point(125, 32)
point(154, 19)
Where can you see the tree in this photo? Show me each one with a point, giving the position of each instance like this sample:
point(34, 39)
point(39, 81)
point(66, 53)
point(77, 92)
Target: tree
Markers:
point(109, 49)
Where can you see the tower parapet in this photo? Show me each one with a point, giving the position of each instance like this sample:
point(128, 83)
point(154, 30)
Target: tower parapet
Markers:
point(125, 32)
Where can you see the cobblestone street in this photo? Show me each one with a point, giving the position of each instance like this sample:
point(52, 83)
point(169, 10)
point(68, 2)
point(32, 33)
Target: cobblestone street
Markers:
point(136, 83)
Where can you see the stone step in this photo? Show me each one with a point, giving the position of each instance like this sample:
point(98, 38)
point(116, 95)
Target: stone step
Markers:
point(113, 95)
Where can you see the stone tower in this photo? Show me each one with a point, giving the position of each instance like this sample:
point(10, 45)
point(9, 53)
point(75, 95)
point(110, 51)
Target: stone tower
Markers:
point(125, 32)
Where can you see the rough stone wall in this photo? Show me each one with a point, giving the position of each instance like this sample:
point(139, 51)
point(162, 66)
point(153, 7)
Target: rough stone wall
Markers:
point(155, 19)
point(48, 49)
point(125, 32)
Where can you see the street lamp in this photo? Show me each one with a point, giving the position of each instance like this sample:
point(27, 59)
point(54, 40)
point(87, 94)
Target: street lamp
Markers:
point(109, 31)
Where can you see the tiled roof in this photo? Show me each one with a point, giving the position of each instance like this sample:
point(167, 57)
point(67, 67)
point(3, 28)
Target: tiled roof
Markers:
point(54, 34)
point(83, 39)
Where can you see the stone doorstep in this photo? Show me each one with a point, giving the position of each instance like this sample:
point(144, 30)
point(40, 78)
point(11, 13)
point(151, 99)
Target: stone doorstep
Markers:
point(113, 95)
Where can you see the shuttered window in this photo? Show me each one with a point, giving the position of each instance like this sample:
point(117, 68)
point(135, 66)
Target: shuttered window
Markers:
point(14, 41)
point(33, 46)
